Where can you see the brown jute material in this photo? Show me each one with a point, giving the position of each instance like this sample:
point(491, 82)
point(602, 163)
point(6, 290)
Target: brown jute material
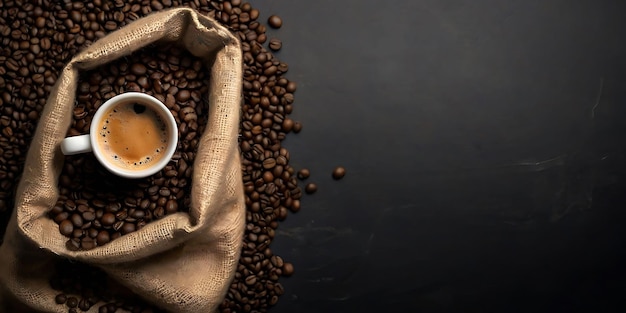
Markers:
point(183, 262)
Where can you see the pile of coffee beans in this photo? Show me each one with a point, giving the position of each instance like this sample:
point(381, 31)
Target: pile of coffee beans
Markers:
point(40, 36)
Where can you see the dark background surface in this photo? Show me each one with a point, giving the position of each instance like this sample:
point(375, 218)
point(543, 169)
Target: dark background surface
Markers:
point(483, 146)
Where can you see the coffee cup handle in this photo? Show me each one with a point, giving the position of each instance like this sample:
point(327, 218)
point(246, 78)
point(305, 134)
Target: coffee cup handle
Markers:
point(76, 145)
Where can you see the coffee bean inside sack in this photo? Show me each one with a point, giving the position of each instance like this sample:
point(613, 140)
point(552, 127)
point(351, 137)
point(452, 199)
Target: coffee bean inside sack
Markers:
point(94, 206)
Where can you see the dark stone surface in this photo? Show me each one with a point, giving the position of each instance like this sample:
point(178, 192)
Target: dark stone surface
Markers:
point(483, 143)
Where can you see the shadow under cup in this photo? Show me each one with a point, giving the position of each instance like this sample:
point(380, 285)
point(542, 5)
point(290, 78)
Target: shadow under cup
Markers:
point(133, 135)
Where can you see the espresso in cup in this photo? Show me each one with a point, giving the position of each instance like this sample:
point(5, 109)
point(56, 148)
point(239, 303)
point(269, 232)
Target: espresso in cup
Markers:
point(133, 136)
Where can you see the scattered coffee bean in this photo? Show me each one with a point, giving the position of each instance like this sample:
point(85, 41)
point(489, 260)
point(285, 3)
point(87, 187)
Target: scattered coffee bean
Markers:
point(275, 44)
point(275, 21)
point(288, 269)
point(339, 172)
point(297, 127)
point(310, 188)
point(304, 173)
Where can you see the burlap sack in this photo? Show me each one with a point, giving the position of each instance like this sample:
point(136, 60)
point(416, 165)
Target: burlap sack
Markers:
point(183, 262)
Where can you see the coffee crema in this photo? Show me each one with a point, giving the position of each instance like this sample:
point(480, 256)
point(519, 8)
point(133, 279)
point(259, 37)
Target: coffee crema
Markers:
point(132, 136)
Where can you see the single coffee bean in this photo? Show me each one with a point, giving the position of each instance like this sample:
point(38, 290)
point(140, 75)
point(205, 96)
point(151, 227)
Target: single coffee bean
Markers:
point(103, 238)
point(278, 288)
point(275, 21)
point(117, 226)
point(250, 280)
point(108, 219)
point(121, 215)
point(72, 302)
point(77, 220)
point(287, 269)
point(275, 44)
point(84, 305)
point(138, 69)
point(304, 173)
point(78, 233)
point(269, 163)
point(273, 300)
point(61, 217)
point(310, 188)
point(128, 228)
point(277, 261)
point(291, 87)
point(60, 299)
point(89, 216)
point(66, 228)
point(297, 127)
point(72, 245)
point(171, 206)
point(287, 125)
point(92, 233)
point(339, 172)
point(87, 243)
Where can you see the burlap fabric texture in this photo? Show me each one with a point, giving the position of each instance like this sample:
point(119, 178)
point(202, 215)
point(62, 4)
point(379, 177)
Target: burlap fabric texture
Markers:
point(181, 263)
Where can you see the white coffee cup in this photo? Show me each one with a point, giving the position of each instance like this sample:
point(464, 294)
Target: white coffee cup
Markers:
point(133, 135)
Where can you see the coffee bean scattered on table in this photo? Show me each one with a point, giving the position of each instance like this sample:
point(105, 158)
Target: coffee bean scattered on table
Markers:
point(310, 188)
point(275, 21)
point(304, 173)
point(275, 44)
point(339, 172)
point(39, 38)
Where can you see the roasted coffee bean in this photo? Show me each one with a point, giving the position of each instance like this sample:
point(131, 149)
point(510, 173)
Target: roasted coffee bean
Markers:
point(117, 226)
point(76, 220)
point(84, 305)
point(87, 243)
point(287, 125)
point(275, 21)
point(138, 69)
point(72, 245)
point(108, 219)
point(291, 87)
point(103, 238)
point(269, 163)
point(297, 127)
point(277, 261)
point(128, 228)
point(275, 44)
point(89, 216)
point(250, 280)
point(171, 206)
point(304, 173)
point(66, 228)
point(78, 233)
point(287, 269)
point(310, 188)
point(60, 299)
point(72, 302)
point(339, 172)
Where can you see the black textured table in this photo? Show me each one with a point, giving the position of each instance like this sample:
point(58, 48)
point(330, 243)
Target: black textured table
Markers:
point(484, 155)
